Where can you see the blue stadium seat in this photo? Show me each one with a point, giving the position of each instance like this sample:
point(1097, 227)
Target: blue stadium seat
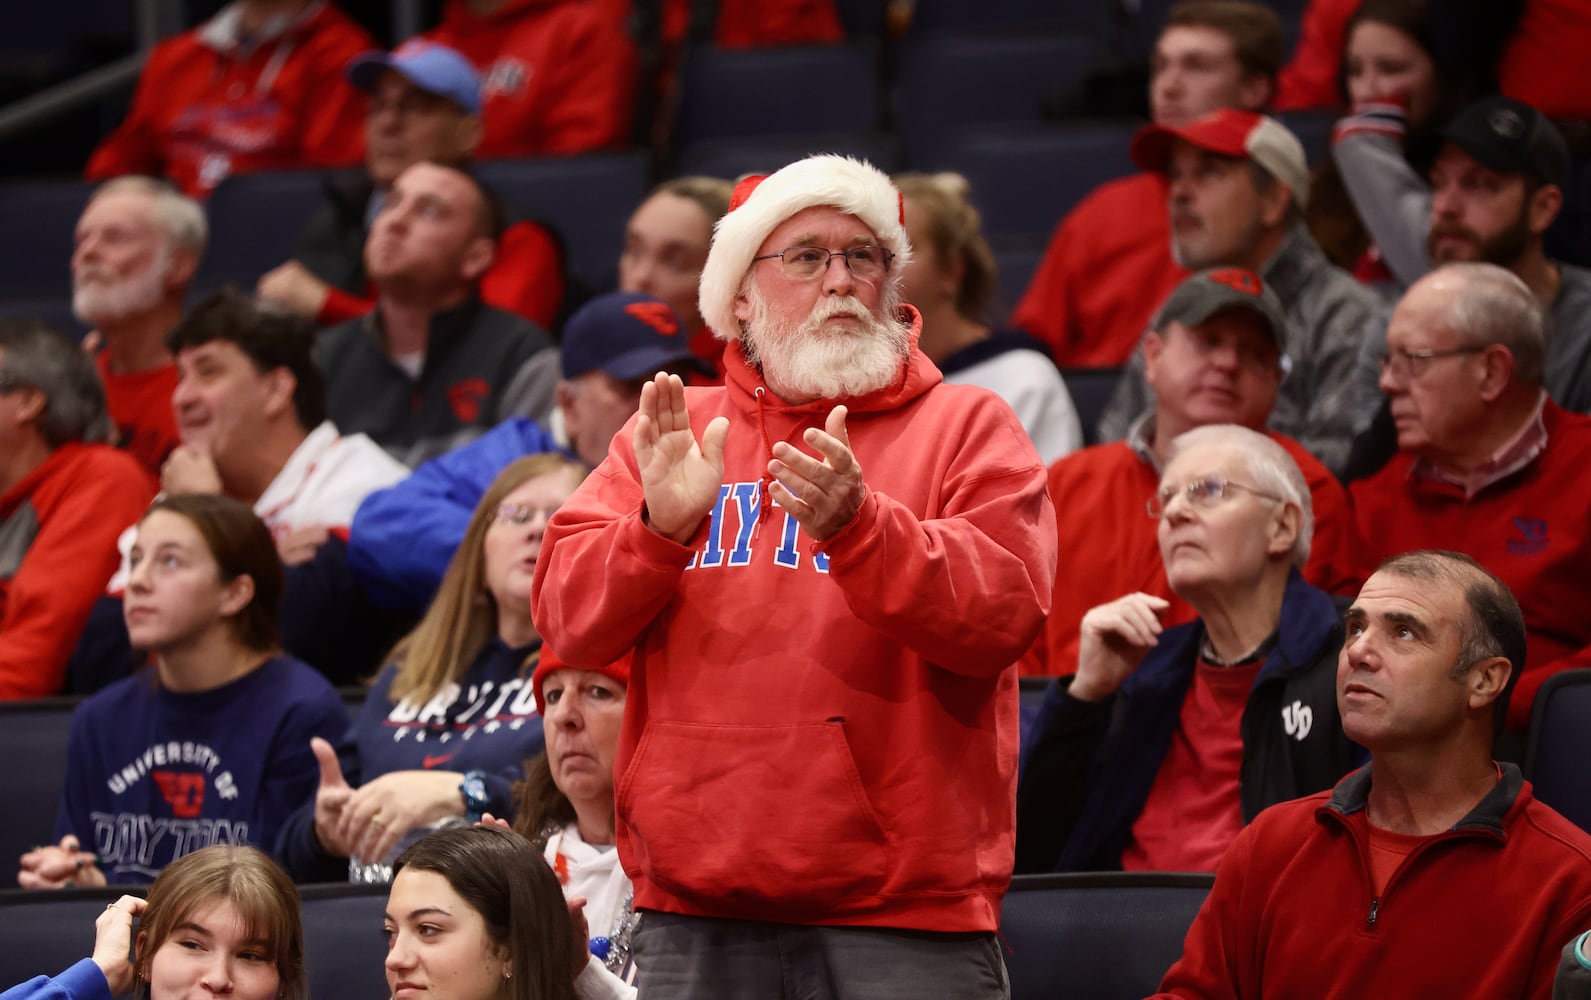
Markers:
point(344, 948)
point(1024, 178)
point(255, 220)
point(732, 158)
point(1014, 264)
point(1558, 756)
point(587, 199)
point(47, 932)
point(41, 218)
point(1090, 389)
point(807, 88)
point(949, 16)
point(55, 311)
point(1096, 936)
point(946, 82)
point(1313, 129)
point(33, 736)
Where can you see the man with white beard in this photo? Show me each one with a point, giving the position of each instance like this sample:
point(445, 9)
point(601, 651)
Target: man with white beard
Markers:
point(138, 247)
point(825, 594)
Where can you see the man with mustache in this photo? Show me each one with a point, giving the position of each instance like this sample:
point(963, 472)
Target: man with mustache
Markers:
point(1486, 463)
point(1495, 188)
point(1431, 871)
point(1238, 185)
point(136, 251)
point(826, 568)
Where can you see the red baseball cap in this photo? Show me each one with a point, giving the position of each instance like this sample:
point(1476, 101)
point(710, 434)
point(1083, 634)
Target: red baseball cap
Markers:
point(1230, 132)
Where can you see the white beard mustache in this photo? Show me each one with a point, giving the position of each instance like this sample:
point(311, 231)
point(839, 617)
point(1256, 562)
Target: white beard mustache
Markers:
point(101, 302)
point(803, 359)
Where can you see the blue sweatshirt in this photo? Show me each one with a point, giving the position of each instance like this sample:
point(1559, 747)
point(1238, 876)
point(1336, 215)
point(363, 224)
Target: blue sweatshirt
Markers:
point(152, 775)
point(402, 537)
point(83, 981)
point(485, 722)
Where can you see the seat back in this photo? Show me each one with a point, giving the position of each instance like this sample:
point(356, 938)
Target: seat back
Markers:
point(344, 949)
point(728, 92)
point(46, 932)
point(255, 222)
point(1096, 936)
point(1090, 389)
point(33, 738)
point(1558, 755)
point(42, 218)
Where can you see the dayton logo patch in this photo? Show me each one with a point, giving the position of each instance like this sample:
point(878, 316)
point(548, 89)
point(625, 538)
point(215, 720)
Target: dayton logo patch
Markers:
point(656, 315)
point(1237, 279)
point(465, 399)
point(183, 792)
point(1531, 538)
point(1298, 719)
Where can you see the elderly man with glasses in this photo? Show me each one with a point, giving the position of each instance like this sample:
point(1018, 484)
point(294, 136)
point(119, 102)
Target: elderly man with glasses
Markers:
point(1487, 464)
point(1167, 741)
point(827, 568)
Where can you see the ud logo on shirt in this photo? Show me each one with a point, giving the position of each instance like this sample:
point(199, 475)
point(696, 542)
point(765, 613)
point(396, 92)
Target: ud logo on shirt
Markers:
point(1297, 719)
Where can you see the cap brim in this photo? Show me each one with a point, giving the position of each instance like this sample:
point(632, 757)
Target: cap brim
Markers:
point(366, 69)
point(646, 361)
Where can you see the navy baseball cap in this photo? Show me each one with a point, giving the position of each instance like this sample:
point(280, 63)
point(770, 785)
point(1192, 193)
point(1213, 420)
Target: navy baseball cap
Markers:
point(627, 335)
point(435, 69)
point(1512, 137)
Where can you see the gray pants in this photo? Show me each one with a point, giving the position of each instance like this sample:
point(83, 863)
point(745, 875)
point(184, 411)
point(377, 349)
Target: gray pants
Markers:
point(697, 958)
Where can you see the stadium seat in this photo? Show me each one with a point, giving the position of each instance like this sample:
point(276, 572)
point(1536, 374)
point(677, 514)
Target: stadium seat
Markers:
point(343, 942)
point(1090, 389)
point(1313, 129)
point(587, 199)
point(1025, 177)
point(947, 16)
point(1558, 755)
point(1096, 935)
point(255, 220)
point(33, 737)
point(42, 219)
point(46, 932)
point(1014, 264)
point(732, 158)
point(948, 82)
point(806, 88)
point(53, 311)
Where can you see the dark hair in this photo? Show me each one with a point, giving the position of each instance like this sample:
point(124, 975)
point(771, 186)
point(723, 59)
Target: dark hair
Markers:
point(1494, 627)
point(543, 807)
point(507, 881)
point(37, 357)
point(1254, 28)
point(270, 337)
point(241, 545)
point(264, 897)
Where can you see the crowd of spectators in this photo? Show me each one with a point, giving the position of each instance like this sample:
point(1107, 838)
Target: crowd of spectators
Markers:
point(1341, 455)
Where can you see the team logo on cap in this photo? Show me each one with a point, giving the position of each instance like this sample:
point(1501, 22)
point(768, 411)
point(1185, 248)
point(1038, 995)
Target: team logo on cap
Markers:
point(1506, 123)
point(1237, 279)
point(656, 315)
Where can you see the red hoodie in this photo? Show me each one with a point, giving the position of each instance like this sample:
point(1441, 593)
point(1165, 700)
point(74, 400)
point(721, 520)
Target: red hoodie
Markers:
point(207, 106)
point(818, 733)
point(557, 76)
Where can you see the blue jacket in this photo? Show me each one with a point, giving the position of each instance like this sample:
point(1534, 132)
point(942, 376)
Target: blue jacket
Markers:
point(402, 537)
point(1088, 767)
point(83, 981)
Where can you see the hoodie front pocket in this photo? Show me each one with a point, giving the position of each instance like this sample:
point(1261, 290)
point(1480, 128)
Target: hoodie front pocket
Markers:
point(750, 814)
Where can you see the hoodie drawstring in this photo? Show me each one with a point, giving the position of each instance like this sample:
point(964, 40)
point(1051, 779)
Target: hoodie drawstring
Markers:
point(765, 504)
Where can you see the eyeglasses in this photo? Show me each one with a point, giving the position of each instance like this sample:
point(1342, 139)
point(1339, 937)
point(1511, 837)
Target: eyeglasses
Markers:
point(1404, 365)
point(804, 263)
point(1206, 492)
point(520, 514)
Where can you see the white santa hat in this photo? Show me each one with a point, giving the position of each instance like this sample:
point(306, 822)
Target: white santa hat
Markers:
point(761, 203)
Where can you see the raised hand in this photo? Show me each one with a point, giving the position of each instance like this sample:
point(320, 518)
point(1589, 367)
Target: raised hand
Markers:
point(331, 795)
point(1114, 639)
point(188, 470)
point(679, 477)
point(113, 943)
point(823, 496)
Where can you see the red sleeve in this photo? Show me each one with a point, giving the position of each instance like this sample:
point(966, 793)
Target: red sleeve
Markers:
point(65, 568)
point(134, 146)
point(1310, 79)
point(1212, 951)
point(589, 104)
point(526, 278)
point(341, 306)
point(746, 24)
point(333, 132)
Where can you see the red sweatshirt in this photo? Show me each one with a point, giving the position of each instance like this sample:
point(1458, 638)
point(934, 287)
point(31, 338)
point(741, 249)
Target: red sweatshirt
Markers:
point(1480, 911)
point(1552, 36)
point(818, 733)
point(1111, 547)
point(140, 406)
point(1107, 269)
point(207, 107)
point(1309, 80)
point(59, 526)
point(557, 75)
point(1532, 529)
